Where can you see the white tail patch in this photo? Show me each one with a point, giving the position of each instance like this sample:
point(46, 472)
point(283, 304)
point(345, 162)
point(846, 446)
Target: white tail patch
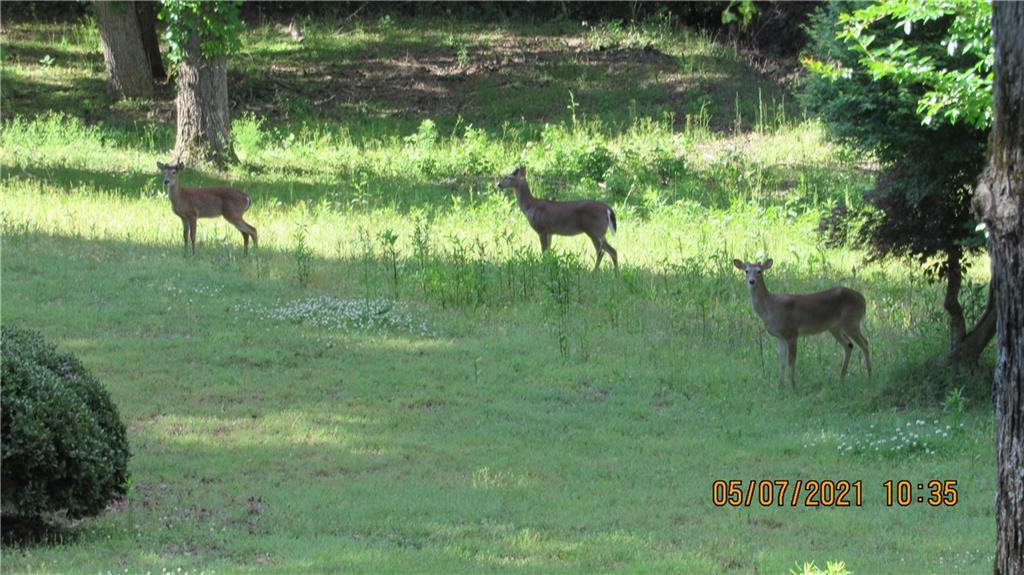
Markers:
point(611, 221)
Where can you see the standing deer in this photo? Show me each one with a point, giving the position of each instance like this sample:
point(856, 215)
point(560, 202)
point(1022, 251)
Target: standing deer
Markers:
point(786, 316)
point(192, 203)
point(549, 217)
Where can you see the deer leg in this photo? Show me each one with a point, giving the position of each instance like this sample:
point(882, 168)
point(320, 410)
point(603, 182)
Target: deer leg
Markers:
point(611, 251)
point(862, 342)
point(847, 346)
point(782, 364)
point(246, 230)
point(600, 251)
point(184, 231)
point(192, 232)
point(545, 242)
point(791, 351)
point(252, 232)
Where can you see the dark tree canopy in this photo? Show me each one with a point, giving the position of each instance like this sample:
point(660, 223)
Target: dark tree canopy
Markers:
point(920, 206)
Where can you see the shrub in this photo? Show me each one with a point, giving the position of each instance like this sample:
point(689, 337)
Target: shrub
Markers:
point(920, 208)
point(577, 153)
point(64, 445)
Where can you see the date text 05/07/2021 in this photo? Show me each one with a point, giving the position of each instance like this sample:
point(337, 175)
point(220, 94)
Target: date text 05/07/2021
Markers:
point(829, 493)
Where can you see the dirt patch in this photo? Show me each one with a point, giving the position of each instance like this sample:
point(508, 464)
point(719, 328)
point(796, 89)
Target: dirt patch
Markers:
point(418, 81)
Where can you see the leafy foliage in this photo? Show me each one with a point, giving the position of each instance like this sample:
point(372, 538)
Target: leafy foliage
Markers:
point(217, 23)
point(64, 445)
point(744, 12)
point(920, 202)
point(945, 47)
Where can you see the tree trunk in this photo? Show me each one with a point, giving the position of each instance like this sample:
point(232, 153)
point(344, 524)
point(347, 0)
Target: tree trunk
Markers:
point(146, 12)
point(965, 347)
point(968, 350)
point(998, 200)
point(204, 132)
point(955, 311)
point(128, 69)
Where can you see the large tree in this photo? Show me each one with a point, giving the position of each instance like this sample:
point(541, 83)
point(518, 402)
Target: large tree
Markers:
point(146, 11)
point(974, 94)
point(200, 35)
point(129, 71)
point(999, 201)
point(920, 206)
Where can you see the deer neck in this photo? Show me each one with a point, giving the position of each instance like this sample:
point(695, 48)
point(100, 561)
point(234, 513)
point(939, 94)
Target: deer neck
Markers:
point(525, 199)
point(174, 193)
point(760, 297)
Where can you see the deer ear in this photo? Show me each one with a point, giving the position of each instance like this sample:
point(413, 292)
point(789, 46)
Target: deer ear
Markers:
point(160, 165)
point(739, 265)
point(767, 264)
point(521, 171)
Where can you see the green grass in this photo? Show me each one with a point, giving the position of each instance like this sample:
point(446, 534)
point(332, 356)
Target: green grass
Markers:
point(396, 380)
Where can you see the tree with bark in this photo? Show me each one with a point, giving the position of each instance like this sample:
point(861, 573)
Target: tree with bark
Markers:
point(976, 94)
point(131, 53)
point(146, 11)
point(999, 201)
point(919, 208)
point(200, 36)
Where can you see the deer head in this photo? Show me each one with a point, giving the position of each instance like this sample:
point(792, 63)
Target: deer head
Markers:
point(170, 172)
point(754, 271)
point(511, 180)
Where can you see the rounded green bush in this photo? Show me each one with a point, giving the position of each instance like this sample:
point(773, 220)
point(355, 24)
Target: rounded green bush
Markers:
point(64, 446)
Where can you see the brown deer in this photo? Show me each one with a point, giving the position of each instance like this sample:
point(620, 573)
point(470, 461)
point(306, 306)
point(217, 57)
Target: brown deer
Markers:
point(786, 316)
point(192, 203)
point(549, 217)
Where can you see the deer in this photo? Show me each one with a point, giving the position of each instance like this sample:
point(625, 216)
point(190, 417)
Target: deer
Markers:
point(838, 310)
point(550, 217)
point(189, 204)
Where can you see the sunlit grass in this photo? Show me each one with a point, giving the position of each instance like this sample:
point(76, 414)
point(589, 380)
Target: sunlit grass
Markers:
point(390, 382)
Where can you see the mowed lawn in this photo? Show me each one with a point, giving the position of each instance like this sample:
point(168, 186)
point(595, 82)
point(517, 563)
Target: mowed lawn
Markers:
point(396, 381)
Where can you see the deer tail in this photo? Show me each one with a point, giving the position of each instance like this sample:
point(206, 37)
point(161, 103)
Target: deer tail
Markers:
point(611, 221)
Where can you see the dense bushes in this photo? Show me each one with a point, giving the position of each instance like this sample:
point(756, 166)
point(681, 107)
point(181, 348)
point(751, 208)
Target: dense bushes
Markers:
point(920, 208)
point(64, 445)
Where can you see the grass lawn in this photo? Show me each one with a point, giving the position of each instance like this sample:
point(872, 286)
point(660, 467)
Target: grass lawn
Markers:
point(397, 381)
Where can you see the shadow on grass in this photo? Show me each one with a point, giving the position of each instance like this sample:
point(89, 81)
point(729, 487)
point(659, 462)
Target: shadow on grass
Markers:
point(21, 531)
point(702, 298)
point(86, 98)
point(794, 186)
point(262, 440)
point(521, 77)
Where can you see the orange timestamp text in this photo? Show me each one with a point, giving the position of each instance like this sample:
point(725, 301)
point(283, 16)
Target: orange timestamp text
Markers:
point(783, 492)
point(828, 493)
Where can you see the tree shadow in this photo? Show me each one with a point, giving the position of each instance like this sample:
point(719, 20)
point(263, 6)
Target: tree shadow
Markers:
point(289, 429)
point(353, 189)
point(512, 82)
point(86, 98)
point(23, 531)
point(395, 79)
